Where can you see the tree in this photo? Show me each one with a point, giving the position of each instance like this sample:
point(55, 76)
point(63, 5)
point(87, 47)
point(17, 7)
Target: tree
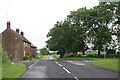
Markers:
point(77, 20)
point(44, 51)
point(99, 32)
point(57, 39)
point(81, 27)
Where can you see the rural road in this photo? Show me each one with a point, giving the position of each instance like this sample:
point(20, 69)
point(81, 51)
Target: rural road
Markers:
point(67, 69)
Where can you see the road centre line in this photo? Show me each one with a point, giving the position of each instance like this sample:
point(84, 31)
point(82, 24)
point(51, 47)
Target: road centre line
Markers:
point(60, 65)
point(66, 70)
point(32, 64)
point(56, 62)
point(76, 78)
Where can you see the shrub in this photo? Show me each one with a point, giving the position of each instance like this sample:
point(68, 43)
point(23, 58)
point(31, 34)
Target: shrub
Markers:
point(118, 52)
point(27, 57)
point(38, 57)
point(110, 51)
point(4, 57)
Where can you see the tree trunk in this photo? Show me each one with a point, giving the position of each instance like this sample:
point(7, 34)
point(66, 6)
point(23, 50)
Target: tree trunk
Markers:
point(83, 52)
point(61, 55)
point(99, 51)
point(75, 54)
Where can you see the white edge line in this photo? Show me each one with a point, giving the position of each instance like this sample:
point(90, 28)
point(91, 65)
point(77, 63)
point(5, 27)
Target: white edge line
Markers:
point(32, 64)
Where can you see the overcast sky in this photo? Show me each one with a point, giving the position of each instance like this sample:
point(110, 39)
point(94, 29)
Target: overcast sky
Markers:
point(36, 17)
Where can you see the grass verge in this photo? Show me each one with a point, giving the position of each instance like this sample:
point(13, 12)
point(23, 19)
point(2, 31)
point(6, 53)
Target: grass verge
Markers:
point(12, 70)
point(80, 58)
point(110, 64)
point(0, 70)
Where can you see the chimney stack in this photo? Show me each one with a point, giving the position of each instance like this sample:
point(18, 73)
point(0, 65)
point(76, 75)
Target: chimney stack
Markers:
point(17, 30)
point(8, 24)
point(22, 33)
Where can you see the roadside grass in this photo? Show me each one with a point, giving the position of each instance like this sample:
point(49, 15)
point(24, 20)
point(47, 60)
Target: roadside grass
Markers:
point(43, 57)
point(8, 69)
point(0, 65)
point(73, 58)
point(12, 70)
point(55, 56)
point(0, 70)
point(111, 64)
point(40, 57)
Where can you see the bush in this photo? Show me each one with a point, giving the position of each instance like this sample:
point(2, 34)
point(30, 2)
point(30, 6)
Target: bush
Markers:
point(27, 57)
point(118, 52)
point(38, 57)
point(92, 55)
point(110, 51)
point(4, 57)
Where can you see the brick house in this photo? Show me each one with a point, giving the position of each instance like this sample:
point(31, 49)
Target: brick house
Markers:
point(0, 41)
point(33, 50)
point(15, 44)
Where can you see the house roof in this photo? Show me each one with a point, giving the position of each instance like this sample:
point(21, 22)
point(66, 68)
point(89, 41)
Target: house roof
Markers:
point(33, 46)
point(17, 35)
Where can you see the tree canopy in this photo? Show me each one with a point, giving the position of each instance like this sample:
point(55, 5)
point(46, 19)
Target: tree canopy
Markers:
point(85, 26)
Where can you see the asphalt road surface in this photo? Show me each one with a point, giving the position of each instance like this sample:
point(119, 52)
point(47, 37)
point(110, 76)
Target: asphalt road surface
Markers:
point(74, 70)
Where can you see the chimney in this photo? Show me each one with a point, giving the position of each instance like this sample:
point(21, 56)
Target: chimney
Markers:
point(8, 24)
point(17, 30)
point(22, 33)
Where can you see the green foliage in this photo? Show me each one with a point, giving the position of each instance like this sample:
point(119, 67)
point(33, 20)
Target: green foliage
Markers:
point(10, 70)
point(84, 26)
point(44, 51)
point(38, 57)
point(41, 57)
point(111, 51)
point(4, 57)
point(91, 55)
point(118, 52)
point(55, 56)
point(27, 57)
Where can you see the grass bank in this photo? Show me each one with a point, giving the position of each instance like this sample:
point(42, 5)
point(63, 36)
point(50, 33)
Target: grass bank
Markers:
point(111, 64)
point(12, 70)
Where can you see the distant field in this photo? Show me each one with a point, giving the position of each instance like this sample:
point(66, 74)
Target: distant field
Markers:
point(111, 64)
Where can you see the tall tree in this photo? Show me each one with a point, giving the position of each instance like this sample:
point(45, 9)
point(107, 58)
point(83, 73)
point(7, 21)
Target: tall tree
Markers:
point(101, 18)
point(77, 20)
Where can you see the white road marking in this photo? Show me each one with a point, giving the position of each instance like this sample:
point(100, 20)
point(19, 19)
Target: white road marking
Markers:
point(76, 78)
point(66, 70)
point(63, 67)
point(88, 61)
point(79, 63)
point(76, 63)
point(60, 65)
point(32, 64)
point(56, 62)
